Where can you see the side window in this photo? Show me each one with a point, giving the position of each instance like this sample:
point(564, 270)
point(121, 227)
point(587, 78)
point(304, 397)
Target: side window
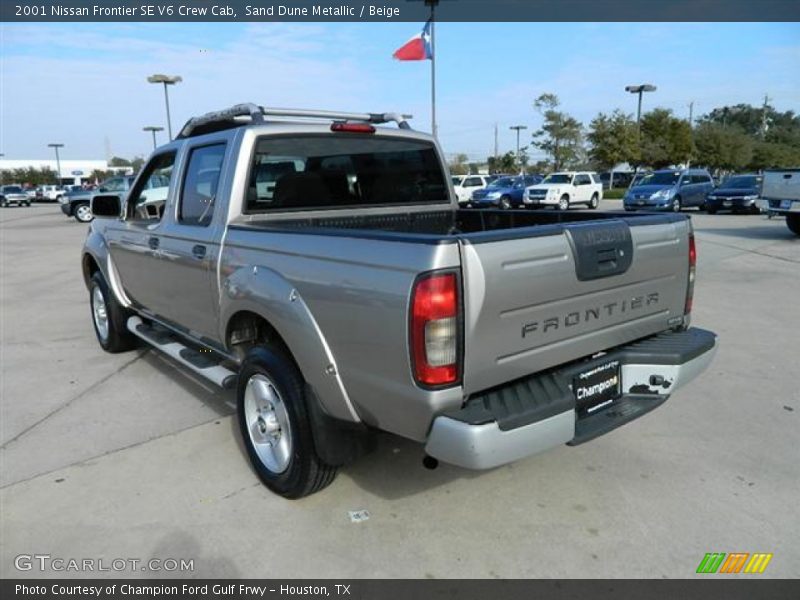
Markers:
point(582, 179)
point(149, 196)
point(200, 185)
point(114, 185)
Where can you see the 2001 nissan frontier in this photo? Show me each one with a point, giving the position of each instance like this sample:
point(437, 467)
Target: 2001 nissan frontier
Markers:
point(318, 262)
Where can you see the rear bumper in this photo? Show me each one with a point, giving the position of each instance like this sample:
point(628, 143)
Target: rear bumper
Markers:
point(539, 412)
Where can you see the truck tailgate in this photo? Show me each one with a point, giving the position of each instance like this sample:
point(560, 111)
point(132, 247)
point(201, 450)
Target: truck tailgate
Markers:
point(535, 301)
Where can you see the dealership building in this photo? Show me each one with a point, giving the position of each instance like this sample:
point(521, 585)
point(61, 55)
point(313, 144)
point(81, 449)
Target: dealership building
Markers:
point(73, 172)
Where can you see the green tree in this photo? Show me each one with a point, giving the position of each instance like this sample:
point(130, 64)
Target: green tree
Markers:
point(614, 139)
point(769, 155)
point(458, 166)
point(561, 135)
point(117, 161)
point(506, 163)
point(665, 139)
point(722, 147)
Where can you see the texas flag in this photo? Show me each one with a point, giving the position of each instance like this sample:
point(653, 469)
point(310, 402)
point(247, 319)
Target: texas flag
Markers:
point(418, 47)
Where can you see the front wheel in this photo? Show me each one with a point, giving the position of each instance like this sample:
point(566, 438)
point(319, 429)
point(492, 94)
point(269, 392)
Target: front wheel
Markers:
point(83, 213)
point(109, 317)
point(563, 203)
point(594, 202)
point(793, 223)
point(505, 203)
point(676, 204)
point(275, 425)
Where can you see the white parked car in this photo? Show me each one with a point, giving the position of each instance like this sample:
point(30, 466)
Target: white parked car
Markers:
point(52, 193)
point(565, 188)
point(464, 185)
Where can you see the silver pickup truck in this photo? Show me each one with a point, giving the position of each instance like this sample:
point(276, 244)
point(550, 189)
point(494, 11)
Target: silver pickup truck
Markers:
point(318, 262)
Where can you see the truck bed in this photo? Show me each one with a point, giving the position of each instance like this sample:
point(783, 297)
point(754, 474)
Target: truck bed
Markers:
point(436, 226)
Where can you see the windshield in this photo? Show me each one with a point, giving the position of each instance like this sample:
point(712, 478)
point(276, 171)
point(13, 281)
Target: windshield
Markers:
point(456, 180)
point(337, 171)
point(558, 178)
point(742, 182)
point(663, 178)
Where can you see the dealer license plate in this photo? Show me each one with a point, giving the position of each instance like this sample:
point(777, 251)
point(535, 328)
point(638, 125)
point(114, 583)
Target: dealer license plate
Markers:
point(597, 387)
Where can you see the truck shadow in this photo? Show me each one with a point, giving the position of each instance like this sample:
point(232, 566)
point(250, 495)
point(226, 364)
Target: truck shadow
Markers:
point(395, 470)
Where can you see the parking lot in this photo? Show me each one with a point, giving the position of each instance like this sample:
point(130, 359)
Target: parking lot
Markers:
point(109, 456)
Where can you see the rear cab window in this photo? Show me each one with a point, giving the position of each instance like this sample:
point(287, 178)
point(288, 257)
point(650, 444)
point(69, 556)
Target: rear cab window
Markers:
point(332, 171)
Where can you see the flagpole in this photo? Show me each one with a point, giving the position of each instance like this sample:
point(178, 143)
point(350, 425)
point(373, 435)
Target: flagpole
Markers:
point(433, 68)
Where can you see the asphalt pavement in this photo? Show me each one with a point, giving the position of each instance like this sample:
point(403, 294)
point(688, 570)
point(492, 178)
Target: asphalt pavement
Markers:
point(129, 456)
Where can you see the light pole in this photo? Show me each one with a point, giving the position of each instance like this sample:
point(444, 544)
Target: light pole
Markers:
point(153, 129)
point(518, 128)
point(167, 80)
point(58, 161)
point(640, 89)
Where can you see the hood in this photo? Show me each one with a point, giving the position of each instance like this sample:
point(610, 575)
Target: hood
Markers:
point(483, 192)
point(548, 186)
point(646, 191)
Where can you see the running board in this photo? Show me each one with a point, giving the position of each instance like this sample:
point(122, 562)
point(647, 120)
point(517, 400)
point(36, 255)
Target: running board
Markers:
point(203, 364)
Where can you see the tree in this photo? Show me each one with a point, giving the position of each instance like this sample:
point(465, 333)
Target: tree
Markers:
point(458, 166)
point(768, 155)
point(665, 139)
point(507, 163)
point(116, 161)
point(722, 147)
point(614, 139)
point(561, 135)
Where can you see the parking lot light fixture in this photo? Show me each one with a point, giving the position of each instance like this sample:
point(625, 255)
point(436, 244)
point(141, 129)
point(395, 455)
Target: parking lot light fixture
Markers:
point(640, 89)
point(153, 129)
point(167, 80)
point(56, 146)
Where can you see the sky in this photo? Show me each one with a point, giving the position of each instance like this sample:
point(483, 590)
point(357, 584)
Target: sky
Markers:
point(84, 85)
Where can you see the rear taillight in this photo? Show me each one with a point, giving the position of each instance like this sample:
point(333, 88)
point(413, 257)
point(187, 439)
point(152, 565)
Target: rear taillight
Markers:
point(434, 329)
point(352, 127)
point(692, 268)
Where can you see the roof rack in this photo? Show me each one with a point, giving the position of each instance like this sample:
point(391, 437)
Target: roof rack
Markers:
point(231, 117)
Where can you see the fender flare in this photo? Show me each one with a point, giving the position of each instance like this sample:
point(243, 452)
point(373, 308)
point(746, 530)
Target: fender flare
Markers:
point(265, 292)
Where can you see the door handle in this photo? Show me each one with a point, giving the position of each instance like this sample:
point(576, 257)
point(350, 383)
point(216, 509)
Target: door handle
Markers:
point(199, 251)
point(153, 243)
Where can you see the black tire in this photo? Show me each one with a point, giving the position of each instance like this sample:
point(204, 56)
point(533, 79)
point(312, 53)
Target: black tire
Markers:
point(82, 212)
point(563, 203)
point(594, 202)
point(117, 338)
point(793, 223)
point(3, 203)
point(505, 203)
point(676, 204)
point(305, 473)
point(711, 211)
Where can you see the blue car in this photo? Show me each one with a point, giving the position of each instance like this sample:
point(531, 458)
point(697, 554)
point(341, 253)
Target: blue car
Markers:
point(670, 189)
point(738, 193)
point(504, 192)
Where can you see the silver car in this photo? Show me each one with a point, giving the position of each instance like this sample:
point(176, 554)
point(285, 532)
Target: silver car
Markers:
point(13, 194)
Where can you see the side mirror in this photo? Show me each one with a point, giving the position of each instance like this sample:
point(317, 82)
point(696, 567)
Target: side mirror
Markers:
point(109, 206)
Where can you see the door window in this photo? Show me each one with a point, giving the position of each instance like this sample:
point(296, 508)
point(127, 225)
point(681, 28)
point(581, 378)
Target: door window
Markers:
point(149, 196)
point(200, 185)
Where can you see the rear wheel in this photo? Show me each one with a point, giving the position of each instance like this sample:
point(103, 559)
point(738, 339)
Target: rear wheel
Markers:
point(563, 203)
point(109, 317)
point(83, 213)
point(793, 223)
point(275, 425)
point(595, 201)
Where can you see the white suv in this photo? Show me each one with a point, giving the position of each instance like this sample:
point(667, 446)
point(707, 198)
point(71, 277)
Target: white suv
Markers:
point(464, 185)
point(564, 189)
